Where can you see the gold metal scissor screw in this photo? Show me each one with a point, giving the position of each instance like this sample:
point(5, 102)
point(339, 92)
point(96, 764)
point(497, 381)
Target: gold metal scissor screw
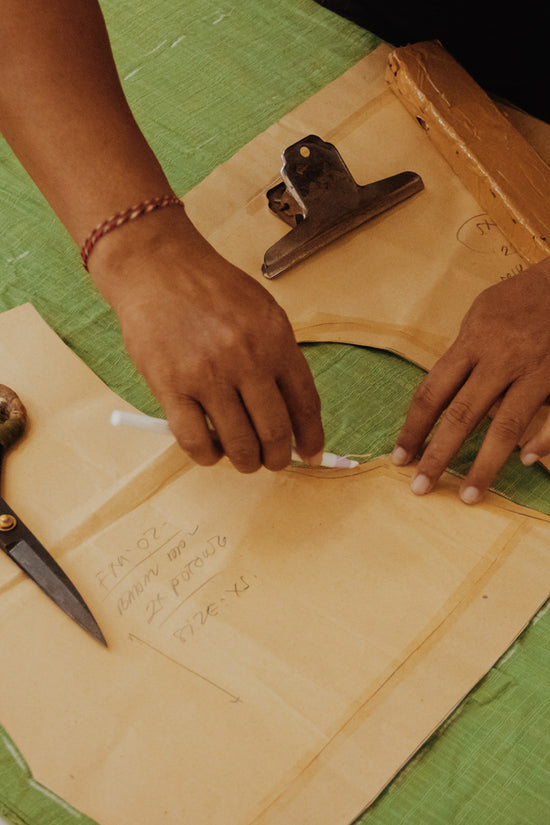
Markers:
point(7, 522)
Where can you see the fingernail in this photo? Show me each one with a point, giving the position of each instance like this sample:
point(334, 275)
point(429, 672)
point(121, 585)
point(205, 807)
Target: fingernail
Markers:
point(312, 461)
point(529, 459)
point(400, 456)
point(420, 485)
point(470, 495)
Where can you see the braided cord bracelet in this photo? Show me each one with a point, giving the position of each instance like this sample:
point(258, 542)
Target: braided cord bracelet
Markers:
point(121, 218)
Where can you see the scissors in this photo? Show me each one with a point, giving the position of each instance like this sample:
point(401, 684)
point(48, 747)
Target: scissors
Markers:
point(22, 547)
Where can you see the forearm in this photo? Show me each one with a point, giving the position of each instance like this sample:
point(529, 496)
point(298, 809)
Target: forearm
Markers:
point(212, 343)
point(63, 111)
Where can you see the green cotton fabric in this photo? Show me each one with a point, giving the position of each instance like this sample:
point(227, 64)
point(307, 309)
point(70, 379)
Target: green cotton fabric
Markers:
point(204, 77)
point(23, 800)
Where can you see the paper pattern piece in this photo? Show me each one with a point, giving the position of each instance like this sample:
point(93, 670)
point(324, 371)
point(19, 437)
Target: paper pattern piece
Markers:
point(279, 644)
point(402, 281)
point(493, 160)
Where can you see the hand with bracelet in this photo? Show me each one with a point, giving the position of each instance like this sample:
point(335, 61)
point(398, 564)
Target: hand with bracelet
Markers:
point(213, 345)
point(215, 348)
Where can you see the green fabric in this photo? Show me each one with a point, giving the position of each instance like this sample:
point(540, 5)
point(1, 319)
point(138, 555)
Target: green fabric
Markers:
point(26, 802)
point(203, 77)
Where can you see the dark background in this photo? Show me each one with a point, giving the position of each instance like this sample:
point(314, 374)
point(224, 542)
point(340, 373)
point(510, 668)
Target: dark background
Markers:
point(505, 48)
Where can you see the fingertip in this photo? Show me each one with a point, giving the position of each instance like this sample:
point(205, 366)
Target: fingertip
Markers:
point(193, 434)
point(312, 460)
point(206, 453)
point(276, 461)
point(529, 459)
point(245, 454)
point(400, 456)
point(421, 484)
point(310, 445)
point(316, 459)
point(304, 410)
point(471, 495)
point(249, 468)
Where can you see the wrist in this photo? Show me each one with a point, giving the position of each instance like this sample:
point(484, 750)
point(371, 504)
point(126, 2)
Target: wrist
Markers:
point(136, 259)
point(119, 219)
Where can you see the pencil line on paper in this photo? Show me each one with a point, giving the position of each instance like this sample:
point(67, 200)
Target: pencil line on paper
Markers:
point(190, 670)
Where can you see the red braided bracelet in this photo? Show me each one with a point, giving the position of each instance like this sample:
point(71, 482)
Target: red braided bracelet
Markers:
point(122, 218)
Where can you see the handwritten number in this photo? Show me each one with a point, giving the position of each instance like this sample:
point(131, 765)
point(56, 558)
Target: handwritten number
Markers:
point(153, 607)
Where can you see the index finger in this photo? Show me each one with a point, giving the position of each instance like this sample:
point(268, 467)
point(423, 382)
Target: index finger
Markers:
point(430, 399)
point(303, 404)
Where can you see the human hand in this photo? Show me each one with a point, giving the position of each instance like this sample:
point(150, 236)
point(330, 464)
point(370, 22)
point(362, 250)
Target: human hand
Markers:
point(502, 353)
point(211, 342)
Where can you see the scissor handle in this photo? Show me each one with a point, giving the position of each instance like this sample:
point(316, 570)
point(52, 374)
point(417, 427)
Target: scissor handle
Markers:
point(13, 417)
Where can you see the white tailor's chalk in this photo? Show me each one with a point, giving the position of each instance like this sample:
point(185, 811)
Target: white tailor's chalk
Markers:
point(330, 460)
point(140, 422)
point(160, 425)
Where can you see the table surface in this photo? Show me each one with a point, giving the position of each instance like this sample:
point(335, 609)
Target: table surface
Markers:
point(203, 78)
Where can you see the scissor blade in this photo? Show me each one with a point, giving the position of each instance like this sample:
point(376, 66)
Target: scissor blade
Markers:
point(37, 563)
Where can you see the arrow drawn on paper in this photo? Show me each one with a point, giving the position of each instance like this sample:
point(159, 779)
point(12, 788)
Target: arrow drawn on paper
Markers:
point(190, 670)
